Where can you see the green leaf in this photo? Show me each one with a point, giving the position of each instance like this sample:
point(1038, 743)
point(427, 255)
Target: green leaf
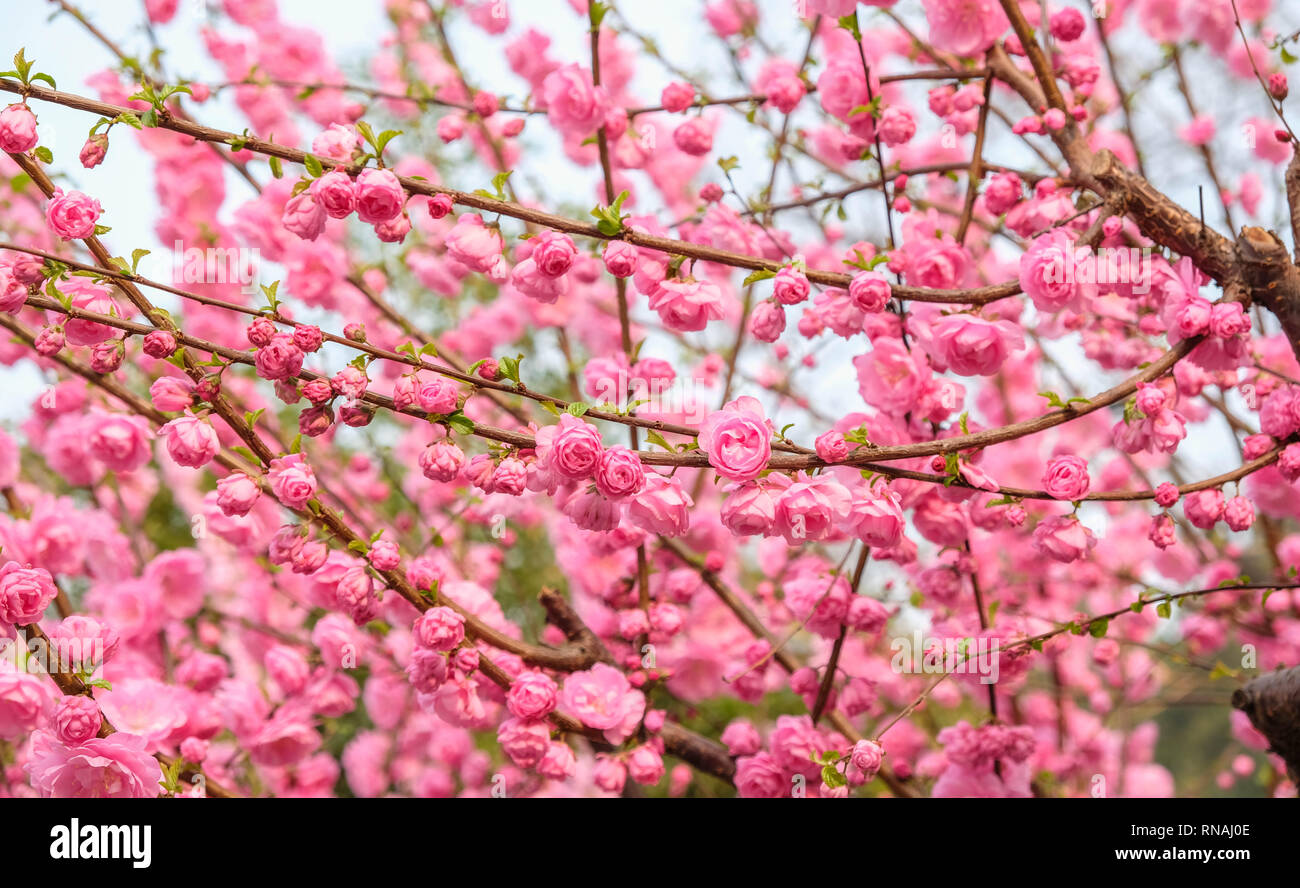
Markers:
point(1163, 609)
point(832, 777)
point(1053, 399)
point(1097, 628)
point(136, 256)
point(102, 229)
point(577, 408)
point(727, 164)
point(100, 683)
point(461, 423)
point(313, 165)
point(757, 275)
point(277, 168)
point(499, 183)
point(44, 153)
point(252, 417)
point(47, 78)
point(657, 439)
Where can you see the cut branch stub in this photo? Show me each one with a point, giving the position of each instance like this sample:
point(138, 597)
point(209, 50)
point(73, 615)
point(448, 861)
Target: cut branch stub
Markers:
point(1272, 703)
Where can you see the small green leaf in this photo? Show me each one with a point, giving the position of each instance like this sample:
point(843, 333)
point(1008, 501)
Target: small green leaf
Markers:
point(44, 154)
point(461, 423)
point(577, 408)
point(1163, 609)
point(757, 275)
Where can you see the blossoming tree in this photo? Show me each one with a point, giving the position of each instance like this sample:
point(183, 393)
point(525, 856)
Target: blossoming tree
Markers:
point(899, 422)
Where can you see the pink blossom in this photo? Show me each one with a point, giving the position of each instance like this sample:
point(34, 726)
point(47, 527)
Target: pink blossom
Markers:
point(602, 698)
point(72, 215)
point(1066, 478)
point(190, 441)
point(116, 766)
point(964, 27)
point(572, 103)
point(737, 439)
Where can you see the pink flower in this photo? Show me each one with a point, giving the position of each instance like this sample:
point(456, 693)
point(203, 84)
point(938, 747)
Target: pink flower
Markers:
point(571, 449)
point(877, 520)
point(554, 253)
point(439, 629)
point(438, 395)
point(790, 286)
point(190, 441)
point(441, 461)
point(687, 305)
point(25, 593)
point(25, 701)
point(750, 510)
point(17, 129)
point(1204, 508)
point(663, 507)
point(737, 439)
point(619, 473)
point(532, 695)
point(831, 446)
point(602, 698)
point(621, 259)
point(119, 441)
point(93, 151)
point(1239, 513)
point(573, 104)
point(335, 193)
point(767, 322)
point(379, 196)
point(1063, 538)
point(1046, 272)
point(279, 359)
point(303, 216)
point(759, 776)
point(609, 774)
point(525, 741)
point(1162, 532)
point(897, 126)
point(645, 765)
point(337, 143)
point(1066, 478)
point(477, 247)
point(76, 720)
point(890, 377)
point(73, 215)
point(867, 756)
point(972, 346)
point(286, 738)
point(869, 291)
point(1002, 193)
point(694, 136)
point(292, 480)
point(117, 767)
point(677, 96)
point(964, 27)
point(558, 762)
point(810, 508)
